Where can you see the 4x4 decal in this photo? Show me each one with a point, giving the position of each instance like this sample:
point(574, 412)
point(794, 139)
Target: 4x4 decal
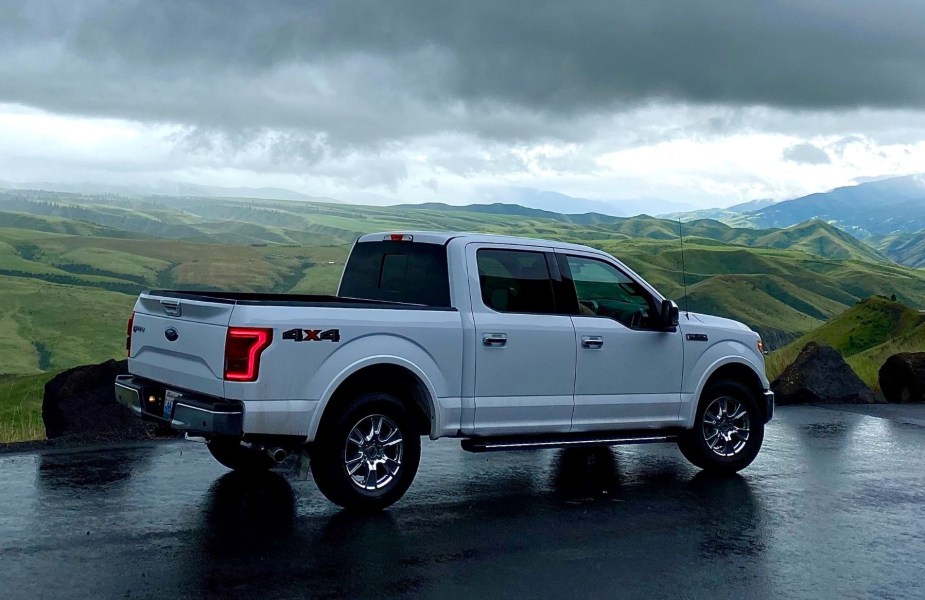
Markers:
point(312, 335)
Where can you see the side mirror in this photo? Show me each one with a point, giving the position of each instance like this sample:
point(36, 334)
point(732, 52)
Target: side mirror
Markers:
point(670, 314)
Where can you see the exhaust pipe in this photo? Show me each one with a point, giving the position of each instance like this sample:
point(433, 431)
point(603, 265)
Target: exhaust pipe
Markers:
point(277, 455)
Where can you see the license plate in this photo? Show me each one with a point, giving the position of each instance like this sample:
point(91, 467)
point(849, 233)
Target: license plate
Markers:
point(169, 397)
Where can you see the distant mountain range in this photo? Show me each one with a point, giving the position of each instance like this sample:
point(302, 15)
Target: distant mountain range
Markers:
point(813, 237)
point(887, 214)
point(562, 203)
point(166, 189)
point(883, 207)
point(720, 214)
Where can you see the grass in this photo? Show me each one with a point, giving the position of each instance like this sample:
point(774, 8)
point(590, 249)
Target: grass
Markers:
point(783, 283)
point(47, 326)
point(71, 266)
point(865, 335)
point(21, 407)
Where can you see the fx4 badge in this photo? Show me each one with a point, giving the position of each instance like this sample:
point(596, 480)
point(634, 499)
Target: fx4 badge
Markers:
point(312, 335)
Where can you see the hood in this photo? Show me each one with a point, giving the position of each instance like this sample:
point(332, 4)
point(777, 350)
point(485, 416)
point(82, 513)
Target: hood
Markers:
point(716, 322)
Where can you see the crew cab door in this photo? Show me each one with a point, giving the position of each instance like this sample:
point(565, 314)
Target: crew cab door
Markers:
point(628, 372)
point(524, 351)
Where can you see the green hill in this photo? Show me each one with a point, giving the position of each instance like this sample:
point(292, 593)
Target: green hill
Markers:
point(71, 266)
point(904, 248)
point(782, 282)
point(864, 334)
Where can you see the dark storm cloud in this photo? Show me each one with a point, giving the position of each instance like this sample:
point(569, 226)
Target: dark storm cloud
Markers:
point(362, 71)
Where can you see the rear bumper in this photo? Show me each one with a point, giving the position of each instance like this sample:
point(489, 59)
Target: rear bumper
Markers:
point(191, 413)
point(769, 405)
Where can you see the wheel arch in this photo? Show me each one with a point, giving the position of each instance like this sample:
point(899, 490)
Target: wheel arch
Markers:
point(381, 374)
point(729, 368)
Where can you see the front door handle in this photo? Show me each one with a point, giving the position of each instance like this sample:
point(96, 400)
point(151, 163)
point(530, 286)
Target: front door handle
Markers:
point(593, 342)
point(495, 340)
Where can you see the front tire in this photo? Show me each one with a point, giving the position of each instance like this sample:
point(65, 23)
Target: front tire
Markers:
point(367, 455)
point(728, 429)
point(230, 453)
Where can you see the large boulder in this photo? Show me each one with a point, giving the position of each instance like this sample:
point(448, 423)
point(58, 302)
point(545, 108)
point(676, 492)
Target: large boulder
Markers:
point(820, 375)
point(902, 377)
point(81, 402)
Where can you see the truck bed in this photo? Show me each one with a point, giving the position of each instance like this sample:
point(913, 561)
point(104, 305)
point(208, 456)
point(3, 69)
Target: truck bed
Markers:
point(317, 300)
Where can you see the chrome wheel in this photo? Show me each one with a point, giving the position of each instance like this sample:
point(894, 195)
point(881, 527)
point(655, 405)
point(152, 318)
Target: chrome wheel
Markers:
point(373, 452)
point(726, 426)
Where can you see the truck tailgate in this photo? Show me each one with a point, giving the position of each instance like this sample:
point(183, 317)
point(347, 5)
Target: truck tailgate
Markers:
point(181, 341)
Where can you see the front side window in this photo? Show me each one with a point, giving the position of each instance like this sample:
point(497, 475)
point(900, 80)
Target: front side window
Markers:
point(605, 291)
point(515, 281)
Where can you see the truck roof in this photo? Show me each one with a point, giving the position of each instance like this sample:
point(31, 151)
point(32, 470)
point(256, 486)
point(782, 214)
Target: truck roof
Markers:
point(443, 237)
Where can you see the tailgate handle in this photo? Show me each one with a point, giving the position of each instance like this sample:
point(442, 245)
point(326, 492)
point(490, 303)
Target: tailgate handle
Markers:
point(171, 307)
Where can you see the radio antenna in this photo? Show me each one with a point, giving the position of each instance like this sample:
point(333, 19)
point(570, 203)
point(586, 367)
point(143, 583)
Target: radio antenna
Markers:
point(687, 301)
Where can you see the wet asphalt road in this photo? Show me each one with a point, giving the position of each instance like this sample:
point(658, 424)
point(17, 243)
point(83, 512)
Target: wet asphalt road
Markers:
point(832, 508)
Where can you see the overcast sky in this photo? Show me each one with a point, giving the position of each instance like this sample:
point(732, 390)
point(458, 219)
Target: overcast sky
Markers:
point(698, 103)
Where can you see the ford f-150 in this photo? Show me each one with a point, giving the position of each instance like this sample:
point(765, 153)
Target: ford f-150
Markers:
point(505, 343)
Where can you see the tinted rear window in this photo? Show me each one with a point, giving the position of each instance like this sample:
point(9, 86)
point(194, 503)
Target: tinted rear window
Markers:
point(515, 281)
point(398, 272)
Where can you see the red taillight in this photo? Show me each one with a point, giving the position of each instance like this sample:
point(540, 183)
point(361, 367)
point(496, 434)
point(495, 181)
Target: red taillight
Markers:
point(128, 334)
point(243, 346)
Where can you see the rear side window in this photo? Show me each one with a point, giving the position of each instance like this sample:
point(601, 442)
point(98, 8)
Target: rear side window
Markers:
point(515, 281)
point(408, 272)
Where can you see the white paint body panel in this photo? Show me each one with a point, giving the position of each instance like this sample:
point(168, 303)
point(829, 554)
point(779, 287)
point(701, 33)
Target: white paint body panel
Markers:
point(728, 342)
point(633, 380)
point(195, 361)
point(526, 385)
point(541, 381)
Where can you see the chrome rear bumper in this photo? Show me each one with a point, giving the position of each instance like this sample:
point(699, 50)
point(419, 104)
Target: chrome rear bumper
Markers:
point(190, 413)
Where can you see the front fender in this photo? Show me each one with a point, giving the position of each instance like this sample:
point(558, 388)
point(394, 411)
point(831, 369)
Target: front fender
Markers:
point(718, 355)
point(372, 350)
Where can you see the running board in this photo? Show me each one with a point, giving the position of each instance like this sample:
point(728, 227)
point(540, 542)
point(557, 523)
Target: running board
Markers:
point(499, 444)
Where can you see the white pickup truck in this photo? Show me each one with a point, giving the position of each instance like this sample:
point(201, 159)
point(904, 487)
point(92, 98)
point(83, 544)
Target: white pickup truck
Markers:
point(506, 343)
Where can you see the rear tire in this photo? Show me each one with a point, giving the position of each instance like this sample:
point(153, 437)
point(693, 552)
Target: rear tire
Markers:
point(366, 456)
point(728, 429)
point(231, 454)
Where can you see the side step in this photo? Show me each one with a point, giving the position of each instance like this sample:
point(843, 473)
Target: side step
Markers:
point(566, 440)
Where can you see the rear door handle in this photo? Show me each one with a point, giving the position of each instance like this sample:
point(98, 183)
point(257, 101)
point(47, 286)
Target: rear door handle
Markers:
point(593, 342)
point(495, 340)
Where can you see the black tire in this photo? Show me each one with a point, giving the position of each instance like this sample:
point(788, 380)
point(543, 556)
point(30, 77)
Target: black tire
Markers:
point(230, 453)
point(721, 448)
point(334, 448)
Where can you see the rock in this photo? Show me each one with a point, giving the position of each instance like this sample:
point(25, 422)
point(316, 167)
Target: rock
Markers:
point(80, 402)
point(820, 375)
point(902, 377)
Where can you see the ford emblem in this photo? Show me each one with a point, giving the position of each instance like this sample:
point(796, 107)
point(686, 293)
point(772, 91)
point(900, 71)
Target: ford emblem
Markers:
point(171, 334)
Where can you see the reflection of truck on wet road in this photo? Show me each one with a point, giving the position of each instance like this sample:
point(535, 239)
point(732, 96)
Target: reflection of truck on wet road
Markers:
point(504, 342)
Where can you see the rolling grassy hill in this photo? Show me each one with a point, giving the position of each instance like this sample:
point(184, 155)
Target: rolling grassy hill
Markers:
point(904, 248)
point(865, 334)
point(71, 265)
point(783, 282)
